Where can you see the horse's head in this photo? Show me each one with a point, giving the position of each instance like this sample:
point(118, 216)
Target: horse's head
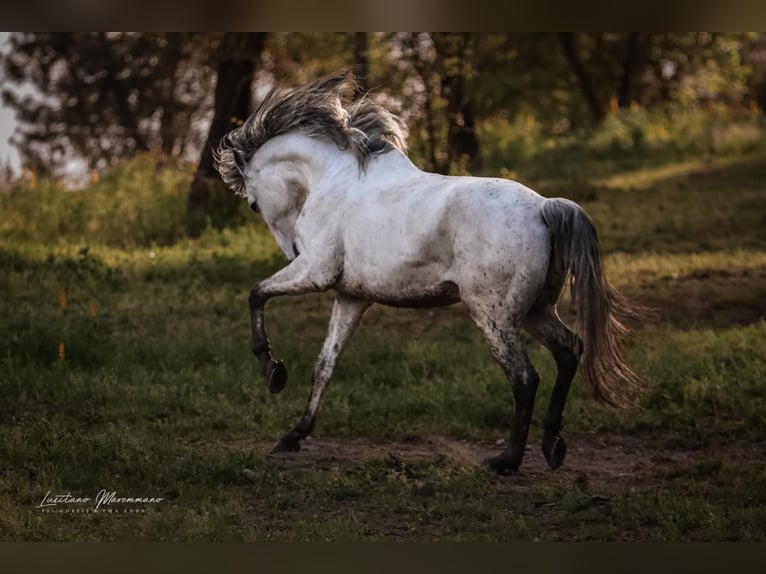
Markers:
point(317, 110)
point(278, 177)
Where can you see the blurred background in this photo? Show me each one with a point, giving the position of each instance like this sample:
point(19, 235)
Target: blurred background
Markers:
point(75, 105)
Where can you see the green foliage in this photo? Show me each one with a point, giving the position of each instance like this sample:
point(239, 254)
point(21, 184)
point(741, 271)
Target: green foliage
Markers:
point(139, 202)
point(680, 131)
point(629, 139)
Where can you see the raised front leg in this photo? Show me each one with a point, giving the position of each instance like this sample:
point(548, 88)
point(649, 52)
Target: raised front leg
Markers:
point(295, 279)
point(346, 314)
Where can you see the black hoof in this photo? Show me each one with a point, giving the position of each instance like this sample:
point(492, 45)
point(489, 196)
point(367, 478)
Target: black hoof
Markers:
point(277, 376)
point(555, 451)
point(286, 444)
point(502, 464)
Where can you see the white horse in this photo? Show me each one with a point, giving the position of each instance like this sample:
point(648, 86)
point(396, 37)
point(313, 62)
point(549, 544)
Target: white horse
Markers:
point(353, 214)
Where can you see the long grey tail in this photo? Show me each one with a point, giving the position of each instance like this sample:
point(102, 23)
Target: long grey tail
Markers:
point(601, 310)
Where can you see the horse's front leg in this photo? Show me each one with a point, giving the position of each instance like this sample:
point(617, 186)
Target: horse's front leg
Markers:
point(296, 279)
point(346, 314)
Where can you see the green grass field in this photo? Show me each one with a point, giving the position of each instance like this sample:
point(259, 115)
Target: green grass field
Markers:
point(124, 365)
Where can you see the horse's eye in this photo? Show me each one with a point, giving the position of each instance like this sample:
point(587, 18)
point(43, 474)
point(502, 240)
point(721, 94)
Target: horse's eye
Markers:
point(254, 206)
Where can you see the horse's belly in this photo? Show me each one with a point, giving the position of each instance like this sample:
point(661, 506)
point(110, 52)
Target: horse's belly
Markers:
point(402, 294)
point(445, 294)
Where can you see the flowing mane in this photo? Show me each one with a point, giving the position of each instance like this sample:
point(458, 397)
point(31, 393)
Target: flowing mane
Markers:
point(316, 109)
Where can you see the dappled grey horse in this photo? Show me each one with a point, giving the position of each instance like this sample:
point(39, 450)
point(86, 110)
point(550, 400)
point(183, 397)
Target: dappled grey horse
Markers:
point(353, 214)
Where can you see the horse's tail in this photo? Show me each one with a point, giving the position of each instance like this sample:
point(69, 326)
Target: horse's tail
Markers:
point(600, 309)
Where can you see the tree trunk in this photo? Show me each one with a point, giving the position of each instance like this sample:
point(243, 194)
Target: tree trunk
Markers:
point(167, 120)
point(424, 69)
point(462, 142)
point(117, 92)
point(569, 44)
point(209, 200)
point(631, 64)
point(361, 63)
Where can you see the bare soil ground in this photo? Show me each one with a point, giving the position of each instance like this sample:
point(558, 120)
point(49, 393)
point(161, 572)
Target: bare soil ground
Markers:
point(612, 462)
point(593, 496)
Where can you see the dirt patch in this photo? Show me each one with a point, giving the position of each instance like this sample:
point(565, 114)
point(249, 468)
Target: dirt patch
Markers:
point(409, 492)
point(614, 462)
point(709, 297)
point(685, 312)
point(729, 273)
point(328, 452)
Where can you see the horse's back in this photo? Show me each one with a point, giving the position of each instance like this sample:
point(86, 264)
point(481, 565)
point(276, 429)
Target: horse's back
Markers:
point(433, 233)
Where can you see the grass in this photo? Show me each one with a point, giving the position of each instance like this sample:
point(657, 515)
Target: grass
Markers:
point(142, 381)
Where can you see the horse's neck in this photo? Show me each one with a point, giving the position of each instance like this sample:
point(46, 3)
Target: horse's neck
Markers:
point(390, 169)
point(322, 174)
point(309, 169)
point(321, 166)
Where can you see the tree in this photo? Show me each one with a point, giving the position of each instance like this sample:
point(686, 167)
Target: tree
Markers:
point(632, 64)
point(754, 56)
point(454, 67)
point(104, 96)
point(580, 72)
point(209, 200)
point(419, 61)
point(441, 64)
point(361, 62)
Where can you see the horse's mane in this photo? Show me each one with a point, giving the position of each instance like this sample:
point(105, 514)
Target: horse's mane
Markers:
point(316, 109)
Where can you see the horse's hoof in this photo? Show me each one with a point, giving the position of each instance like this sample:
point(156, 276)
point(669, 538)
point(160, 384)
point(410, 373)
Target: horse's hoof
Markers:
point(286, 444)
point(277, 377)
point(502, 464)
point(555, 451)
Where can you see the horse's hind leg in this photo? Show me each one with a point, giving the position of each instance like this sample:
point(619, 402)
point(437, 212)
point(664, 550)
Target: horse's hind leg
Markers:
point(566, 348)
point(503, 338)
point(346, 314)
